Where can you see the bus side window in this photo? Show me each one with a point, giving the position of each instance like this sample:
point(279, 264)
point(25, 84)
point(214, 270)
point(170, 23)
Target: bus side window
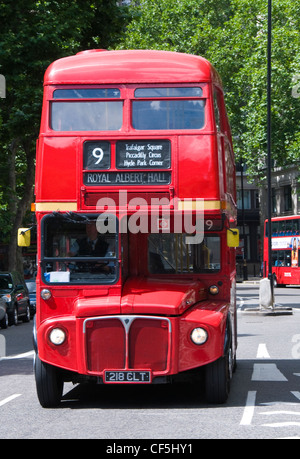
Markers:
point(275, 229)
point(217, 111)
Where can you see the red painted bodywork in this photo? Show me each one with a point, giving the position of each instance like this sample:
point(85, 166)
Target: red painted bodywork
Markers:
point(284, 273)
point(202, 167)
point(130, 66)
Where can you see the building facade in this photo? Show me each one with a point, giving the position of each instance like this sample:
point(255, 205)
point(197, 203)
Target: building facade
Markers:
point(285, 193)
point(248, 202)
point(253, 211)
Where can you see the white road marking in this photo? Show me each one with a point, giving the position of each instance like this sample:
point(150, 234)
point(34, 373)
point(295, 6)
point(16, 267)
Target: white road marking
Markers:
point(296, 393)
point(279, 402)
point(8, 399)
point(18, 356)
point(249, 409)
point(262, 352)
point(267, 372)
point(240, 302)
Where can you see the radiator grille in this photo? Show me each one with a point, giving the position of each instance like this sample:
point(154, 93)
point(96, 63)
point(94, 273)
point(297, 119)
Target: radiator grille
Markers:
point(131, 342)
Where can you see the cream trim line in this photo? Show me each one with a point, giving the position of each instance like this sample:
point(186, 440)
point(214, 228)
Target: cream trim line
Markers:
point(182, 205)
point(199, 205)
point(55, 206)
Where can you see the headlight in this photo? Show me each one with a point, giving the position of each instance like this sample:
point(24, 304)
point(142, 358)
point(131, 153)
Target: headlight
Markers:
point(7, 298)
point(46, 294)
point(57, 336)
point(213, 289)
point(199, 336)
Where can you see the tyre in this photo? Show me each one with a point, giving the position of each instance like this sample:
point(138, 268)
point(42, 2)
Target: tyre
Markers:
point(26, 318)
point(13, 317)
point(49, 383)
point(217, 379)
point(4, 321)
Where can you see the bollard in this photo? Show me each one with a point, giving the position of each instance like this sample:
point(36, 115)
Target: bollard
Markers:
point(266, 299)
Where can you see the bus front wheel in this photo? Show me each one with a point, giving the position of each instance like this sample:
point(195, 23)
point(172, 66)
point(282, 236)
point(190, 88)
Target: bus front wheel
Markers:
point(49, 383)
point(217, 379)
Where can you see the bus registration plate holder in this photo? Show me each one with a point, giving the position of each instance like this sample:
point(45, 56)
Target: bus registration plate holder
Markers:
point(127, 376)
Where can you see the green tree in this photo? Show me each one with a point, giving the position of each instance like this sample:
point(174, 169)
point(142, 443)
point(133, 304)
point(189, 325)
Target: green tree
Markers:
point(248, 99)
point(233, 36)
point(176, 25)
point(33, 34)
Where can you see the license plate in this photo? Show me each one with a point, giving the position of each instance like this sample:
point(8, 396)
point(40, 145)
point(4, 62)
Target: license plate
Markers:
point(127, 376)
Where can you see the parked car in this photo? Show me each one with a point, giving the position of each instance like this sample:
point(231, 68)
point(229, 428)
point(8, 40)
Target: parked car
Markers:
point(14, 292)
point(31, 285)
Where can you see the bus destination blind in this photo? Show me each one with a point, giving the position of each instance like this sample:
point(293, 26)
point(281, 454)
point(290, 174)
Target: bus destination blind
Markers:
point(130, 157)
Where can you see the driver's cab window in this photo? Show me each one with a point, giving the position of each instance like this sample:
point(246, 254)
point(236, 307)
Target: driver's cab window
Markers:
point(74, 251)
point(172, 254)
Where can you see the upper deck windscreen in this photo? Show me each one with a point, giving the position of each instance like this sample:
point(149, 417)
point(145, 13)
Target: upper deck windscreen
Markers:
point(154, 108)
point(79, 109)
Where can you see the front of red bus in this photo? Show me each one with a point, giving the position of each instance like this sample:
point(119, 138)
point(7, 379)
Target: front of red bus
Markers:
point(136, 278)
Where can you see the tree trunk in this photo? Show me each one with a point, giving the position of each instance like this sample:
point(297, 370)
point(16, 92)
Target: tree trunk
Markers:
point(19, 207)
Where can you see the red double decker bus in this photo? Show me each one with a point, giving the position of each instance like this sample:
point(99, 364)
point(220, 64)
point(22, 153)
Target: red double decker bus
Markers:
point(285, 250)
point(136, 216)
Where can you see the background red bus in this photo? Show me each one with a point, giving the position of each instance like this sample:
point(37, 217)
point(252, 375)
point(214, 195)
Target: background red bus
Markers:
point(285, 250)
point(135, 142)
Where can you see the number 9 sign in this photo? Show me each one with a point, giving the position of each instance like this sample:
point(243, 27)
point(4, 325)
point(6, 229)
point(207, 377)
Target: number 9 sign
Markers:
point(209, 224)
point(98, 154)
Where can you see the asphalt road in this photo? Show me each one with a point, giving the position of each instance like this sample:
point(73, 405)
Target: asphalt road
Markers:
point(264, 401)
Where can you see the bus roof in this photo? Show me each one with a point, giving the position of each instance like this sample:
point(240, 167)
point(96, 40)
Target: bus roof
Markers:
point(284, 217)
point(98, 66)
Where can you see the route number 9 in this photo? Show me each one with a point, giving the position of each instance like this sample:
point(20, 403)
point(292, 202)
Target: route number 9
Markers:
point(209, 224)
point(98, 154)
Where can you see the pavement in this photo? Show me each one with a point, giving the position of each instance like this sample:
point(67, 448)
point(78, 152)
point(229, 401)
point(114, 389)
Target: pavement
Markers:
point(251, 280)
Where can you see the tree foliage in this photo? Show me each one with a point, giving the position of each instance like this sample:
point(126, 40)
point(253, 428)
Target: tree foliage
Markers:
point(33, 34)
point(233, 36)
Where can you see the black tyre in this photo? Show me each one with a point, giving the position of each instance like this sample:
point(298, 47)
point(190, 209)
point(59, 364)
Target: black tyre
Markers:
point(49, 383)
point(13, 317)
point(26, 318)
point(217, 379)
point(4, 321)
